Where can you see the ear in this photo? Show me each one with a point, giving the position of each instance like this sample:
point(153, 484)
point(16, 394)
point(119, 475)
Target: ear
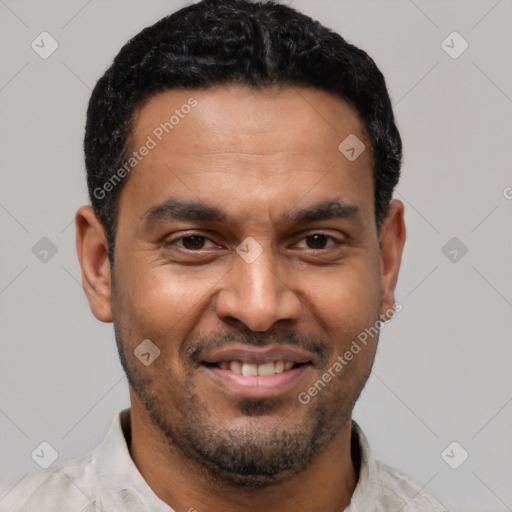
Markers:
point(392, 242)
point(92, 250)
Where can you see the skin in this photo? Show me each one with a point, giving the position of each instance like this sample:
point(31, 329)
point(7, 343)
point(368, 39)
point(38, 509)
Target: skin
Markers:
point(255, 155)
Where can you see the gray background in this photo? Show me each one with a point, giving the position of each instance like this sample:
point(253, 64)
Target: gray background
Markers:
point(443, 367)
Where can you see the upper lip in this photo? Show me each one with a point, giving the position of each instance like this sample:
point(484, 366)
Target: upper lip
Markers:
point(255, 355)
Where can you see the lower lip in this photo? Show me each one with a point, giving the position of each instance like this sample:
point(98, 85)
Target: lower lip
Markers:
point(257, 387)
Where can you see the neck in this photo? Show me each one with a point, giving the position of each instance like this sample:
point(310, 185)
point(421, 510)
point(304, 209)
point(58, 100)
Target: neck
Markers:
point(326, 485)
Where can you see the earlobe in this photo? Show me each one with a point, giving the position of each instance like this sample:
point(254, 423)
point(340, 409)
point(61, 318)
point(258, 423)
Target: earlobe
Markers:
point(92, 250)
point(392, 242)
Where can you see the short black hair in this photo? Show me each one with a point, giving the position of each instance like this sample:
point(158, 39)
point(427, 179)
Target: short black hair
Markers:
point(223, 42)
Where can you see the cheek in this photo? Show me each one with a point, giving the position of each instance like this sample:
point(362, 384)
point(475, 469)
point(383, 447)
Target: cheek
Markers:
point(160, 303)
point(349, 307)
point(348, 301)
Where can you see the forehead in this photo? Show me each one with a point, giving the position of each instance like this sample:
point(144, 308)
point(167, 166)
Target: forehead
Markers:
point(236, 146)
point(231, 116)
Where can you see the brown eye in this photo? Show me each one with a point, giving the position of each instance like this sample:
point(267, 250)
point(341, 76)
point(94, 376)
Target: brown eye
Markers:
point(317, 241)
point(193, 242)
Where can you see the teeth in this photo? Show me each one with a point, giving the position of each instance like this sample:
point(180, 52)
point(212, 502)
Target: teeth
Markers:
point(254, 370)
point(236, 367)
point(249, 370)
point(265, 370)
point(279, 366)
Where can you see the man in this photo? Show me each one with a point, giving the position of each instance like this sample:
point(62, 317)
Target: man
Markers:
point(241, 160)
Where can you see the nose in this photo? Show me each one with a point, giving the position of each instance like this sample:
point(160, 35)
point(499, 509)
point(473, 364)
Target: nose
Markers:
point(256, 295)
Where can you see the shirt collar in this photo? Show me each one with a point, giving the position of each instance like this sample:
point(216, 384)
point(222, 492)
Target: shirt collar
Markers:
point(114, 477)
point(365, 493)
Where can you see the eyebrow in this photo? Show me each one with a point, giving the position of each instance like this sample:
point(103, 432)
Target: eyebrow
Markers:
point(178, 209)
point(333, 209)
point(184, 210)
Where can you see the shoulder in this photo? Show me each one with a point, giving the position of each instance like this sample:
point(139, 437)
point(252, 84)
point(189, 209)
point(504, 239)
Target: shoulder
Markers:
point(397, 489)
point(74, 484)
point(382, 488)
point(39, 491)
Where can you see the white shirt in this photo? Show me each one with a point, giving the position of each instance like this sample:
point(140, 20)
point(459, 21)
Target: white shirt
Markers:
point(107, 480)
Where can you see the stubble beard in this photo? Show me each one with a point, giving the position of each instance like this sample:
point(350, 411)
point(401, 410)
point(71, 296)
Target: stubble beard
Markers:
point(248, 458)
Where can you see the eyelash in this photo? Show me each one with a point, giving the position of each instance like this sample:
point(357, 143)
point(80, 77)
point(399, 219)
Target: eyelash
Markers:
point(190, 235)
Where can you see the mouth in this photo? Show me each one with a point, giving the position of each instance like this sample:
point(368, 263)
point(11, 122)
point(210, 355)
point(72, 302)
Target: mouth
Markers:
point(267, 369)
point(258, 373)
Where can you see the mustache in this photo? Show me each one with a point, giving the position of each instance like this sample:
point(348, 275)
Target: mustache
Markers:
point(199, 344)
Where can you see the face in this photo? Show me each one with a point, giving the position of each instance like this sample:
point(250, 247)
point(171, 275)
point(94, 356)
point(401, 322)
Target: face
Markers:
point(247, 253)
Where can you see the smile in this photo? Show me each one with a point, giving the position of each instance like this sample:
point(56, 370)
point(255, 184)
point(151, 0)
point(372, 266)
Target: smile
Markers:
point(256, 370)
point(257, 373)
